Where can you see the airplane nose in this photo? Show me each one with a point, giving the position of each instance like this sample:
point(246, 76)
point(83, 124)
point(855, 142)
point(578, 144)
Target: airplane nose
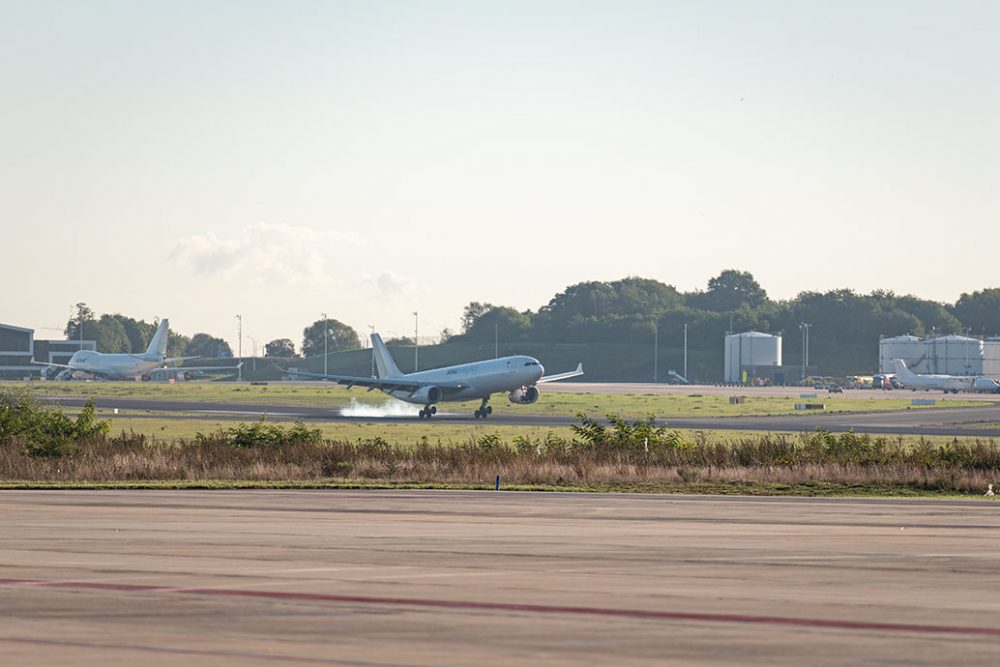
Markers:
point(541, 370)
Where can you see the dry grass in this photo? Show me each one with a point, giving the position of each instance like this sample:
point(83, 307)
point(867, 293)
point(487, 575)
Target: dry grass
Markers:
point(854, 462)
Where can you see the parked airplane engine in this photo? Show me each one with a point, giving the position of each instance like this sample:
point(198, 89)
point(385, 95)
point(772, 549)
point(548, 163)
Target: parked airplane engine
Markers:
point(426, 395)
point(524, 395)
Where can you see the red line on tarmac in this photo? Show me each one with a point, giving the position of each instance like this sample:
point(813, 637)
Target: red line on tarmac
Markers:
point(834, 624)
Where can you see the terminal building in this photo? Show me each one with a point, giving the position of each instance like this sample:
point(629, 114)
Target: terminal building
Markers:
point(18, 348)
point(946, 355)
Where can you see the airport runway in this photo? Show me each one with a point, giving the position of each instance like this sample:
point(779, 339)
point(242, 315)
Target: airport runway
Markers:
point(978, 421)
point(786, 391)
point(384, 578)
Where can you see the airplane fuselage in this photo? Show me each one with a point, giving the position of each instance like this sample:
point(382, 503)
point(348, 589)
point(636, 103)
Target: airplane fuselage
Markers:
point(949, 383)
point(114, 366)
point(482, 378)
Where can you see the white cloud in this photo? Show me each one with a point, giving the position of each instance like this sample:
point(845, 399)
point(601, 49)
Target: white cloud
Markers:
point(263, 252)
point(393, 284)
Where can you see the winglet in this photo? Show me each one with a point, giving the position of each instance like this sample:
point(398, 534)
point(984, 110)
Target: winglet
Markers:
point(563, 376)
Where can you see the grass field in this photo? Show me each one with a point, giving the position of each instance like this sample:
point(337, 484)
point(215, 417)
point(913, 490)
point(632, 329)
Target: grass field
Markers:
point(167, 426)
point(550, 404)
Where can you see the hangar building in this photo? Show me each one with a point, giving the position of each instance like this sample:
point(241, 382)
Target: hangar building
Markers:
point(18, 347)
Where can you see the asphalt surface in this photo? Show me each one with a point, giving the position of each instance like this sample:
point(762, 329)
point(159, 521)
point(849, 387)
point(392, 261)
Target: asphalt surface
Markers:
point(460, 578)
point(968, 421)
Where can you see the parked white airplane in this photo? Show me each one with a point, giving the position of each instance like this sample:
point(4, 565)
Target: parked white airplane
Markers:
point(517, 375)
point(119, 366)
point(946, 383)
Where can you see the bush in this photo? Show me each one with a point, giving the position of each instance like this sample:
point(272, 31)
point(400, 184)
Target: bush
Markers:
point(263, 434)
point(43, 431)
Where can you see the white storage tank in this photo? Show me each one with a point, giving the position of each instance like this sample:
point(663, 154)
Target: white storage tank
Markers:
point(750, 350)
point(955, 355)
point(991, 357)
point(910, 349)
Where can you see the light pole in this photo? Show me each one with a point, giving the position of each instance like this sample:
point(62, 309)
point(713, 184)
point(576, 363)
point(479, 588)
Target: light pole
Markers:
point(239, 347)
point(808, 326)
point(416, 340)
point(372, 342)
point(685, 351)
point(496, 339)
point(656, 345)
point(254, 341)
point(326, 331)
point(804, 328)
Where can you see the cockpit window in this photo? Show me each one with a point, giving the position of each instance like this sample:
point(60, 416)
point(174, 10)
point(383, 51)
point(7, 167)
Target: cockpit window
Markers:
point(532, 363)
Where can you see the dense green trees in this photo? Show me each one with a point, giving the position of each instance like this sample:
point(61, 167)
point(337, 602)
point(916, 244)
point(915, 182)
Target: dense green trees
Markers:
point(207, 346)
point(730, 290)
point(118, 333)
point(339, 337)
point(845, 325)
point(980, 311)
point(281, 348)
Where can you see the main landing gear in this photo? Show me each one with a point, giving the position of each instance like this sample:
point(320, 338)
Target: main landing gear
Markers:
point(428, 411)
point(483, 411)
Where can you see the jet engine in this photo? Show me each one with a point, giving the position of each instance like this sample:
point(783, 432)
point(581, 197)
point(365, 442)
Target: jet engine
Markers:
point(428, 395)
point(524, 395)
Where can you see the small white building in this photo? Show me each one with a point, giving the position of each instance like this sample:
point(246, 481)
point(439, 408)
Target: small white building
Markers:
point(757, 353)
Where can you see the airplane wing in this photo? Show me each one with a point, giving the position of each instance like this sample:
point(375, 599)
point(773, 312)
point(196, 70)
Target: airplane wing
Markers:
point(180, 358)
point(562, 376)
point(383, 384)
point(204, 368)
point(49, 363)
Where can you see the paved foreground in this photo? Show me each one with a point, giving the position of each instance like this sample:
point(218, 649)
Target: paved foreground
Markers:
point(451, 578)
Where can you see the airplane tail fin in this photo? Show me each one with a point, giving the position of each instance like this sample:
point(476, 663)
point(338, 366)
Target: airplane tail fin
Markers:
point(158, 346)
point(900, 367)
point(383, 360)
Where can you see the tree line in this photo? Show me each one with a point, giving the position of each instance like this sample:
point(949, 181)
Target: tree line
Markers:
point(116, 333)
point(844, 324)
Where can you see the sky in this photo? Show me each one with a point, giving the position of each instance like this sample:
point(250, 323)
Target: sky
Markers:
point(370, 160)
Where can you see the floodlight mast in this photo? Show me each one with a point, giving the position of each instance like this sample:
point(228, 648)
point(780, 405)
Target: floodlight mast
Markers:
point(239, 347)
point(685, 351)
point(254, 341)
point(804, 328)
point(326, 332)
point(656, 351)
point(416, 340)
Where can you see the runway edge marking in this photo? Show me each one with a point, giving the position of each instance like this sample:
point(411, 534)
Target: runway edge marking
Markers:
point(833, 624)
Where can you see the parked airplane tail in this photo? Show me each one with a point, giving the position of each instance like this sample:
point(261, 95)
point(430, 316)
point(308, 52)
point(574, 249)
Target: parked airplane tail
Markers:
point(158, 346)
point(384, 362)
point(900, 367)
